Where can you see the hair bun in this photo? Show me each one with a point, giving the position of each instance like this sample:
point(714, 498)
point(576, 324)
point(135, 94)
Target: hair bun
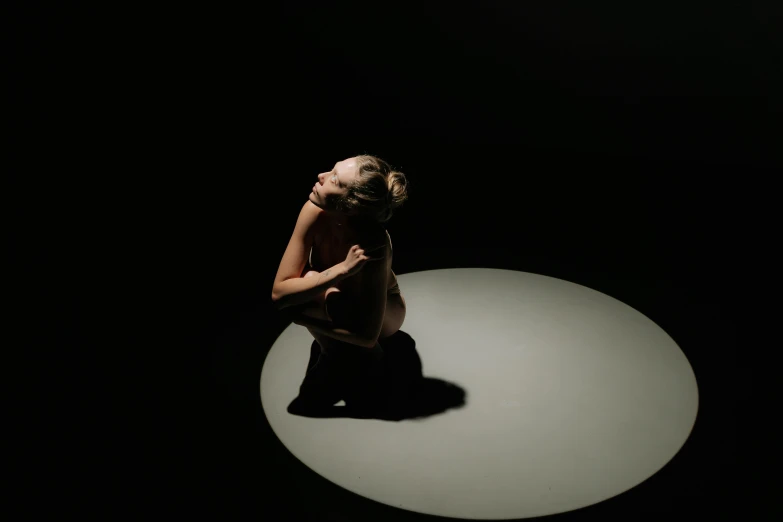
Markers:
point(378, 191)
point(398, 188)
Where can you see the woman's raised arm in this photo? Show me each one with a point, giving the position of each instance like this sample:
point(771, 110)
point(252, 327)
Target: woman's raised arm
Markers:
point(289, 288)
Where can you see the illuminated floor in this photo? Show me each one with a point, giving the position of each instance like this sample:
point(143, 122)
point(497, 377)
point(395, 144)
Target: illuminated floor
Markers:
point(537, 396)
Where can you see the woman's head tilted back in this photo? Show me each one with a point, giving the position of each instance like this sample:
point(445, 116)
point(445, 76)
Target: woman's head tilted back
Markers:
point(364, 186)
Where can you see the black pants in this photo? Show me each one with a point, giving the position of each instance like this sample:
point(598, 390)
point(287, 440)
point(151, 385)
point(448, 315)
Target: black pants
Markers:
point(354, 375)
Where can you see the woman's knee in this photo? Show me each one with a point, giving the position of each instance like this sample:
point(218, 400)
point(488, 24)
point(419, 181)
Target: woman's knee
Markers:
point(341, 309)
point(336, 306)
point(320, 298)
point(395, 316)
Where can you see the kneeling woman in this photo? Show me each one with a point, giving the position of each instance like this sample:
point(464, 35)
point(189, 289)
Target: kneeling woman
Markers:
point(349, 298)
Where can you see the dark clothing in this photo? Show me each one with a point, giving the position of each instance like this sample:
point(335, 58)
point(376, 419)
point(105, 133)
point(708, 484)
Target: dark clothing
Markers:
point(353, 374)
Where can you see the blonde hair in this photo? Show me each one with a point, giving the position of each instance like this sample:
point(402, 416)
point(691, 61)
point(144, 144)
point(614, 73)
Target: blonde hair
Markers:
point(376, 191)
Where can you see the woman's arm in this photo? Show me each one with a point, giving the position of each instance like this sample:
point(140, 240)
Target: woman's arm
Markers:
point(328, 329)
point(298, 290)
point(373, 295)
point(288, 278)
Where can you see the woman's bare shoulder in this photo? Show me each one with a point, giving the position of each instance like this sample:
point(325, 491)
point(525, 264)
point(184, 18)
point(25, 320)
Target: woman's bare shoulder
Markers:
point(377, 238)
point(309, 206)
point(308, 221)
point(314, 214)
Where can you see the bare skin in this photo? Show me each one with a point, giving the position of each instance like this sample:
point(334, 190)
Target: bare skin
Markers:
point(393, 317)
point(335, 234)
point(392, 320)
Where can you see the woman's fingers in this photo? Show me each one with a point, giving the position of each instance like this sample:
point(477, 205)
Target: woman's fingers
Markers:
point(358, 248)
point(362, 253)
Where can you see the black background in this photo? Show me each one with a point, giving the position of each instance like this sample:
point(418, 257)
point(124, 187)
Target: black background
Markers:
point(165, 155)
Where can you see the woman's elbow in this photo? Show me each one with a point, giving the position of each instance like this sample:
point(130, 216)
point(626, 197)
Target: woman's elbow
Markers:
point(277, 299)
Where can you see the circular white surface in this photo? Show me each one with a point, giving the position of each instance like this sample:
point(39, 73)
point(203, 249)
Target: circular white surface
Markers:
point(572, 397)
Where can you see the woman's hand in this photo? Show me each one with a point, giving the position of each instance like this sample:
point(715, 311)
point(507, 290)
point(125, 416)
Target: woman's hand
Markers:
point(356, 259)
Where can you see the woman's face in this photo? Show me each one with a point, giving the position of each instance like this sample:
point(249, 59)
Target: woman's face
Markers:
point(333, 183)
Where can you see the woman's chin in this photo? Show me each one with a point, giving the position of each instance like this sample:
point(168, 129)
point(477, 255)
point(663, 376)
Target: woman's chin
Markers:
point(314, 201)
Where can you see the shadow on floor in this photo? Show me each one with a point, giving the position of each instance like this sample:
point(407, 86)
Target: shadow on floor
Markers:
point(390, 388)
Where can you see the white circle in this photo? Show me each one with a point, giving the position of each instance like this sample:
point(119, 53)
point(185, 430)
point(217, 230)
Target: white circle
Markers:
point(572, 397)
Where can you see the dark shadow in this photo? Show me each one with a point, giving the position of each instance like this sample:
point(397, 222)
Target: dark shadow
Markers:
point(390, 388)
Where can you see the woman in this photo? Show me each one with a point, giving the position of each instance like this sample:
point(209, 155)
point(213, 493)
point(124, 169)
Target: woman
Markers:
point(349, 298)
